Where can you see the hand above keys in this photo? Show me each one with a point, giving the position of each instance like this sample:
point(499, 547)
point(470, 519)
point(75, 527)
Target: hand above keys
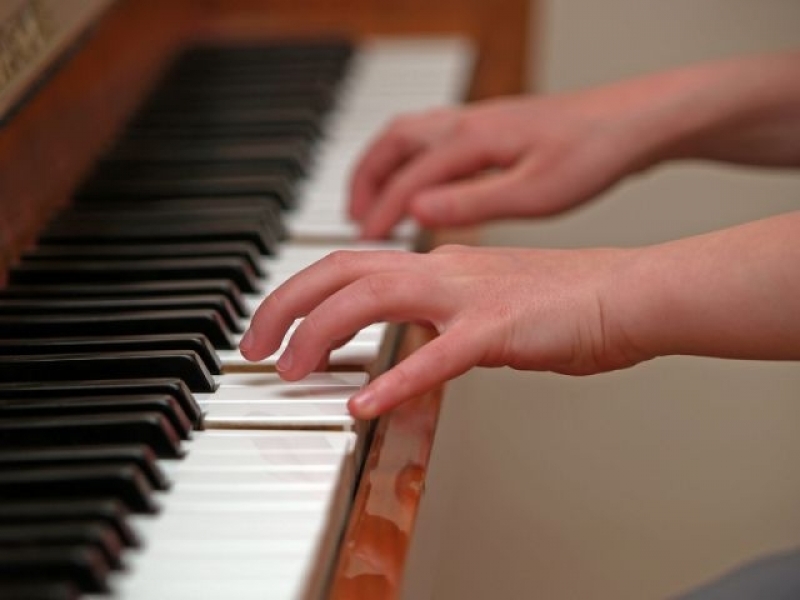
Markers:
point(533, 156)
point(527, 309)
point(514, 157)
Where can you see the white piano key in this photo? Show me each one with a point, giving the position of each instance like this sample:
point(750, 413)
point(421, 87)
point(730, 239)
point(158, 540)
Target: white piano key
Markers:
point(264, 543)
point(360, 351)
point(263, 400)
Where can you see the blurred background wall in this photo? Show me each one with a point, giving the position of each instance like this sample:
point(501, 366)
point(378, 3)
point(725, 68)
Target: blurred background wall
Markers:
point(641, 483)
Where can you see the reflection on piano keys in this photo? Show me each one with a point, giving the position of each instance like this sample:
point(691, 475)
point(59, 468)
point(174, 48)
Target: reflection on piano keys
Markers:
point(230, 136)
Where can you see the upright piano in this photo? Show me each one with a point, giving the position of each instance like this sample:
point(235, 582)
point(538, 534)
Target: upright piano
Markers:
point(174, 161)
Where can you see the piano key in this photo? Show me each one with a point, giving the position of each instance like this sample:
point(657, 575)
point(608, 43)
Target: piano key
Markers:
point(255, 215)
point(195, 342)
point(183, 365)
point(174, 388)
point(244, 185)
point(36, 590)
point(271, 505)
point(98, 405)
point(359, 352)
point(87, 533)
point(219, 230)
point(253, 131)
point(56, 271)
point(53, 306)
point(124, 482)
point(205, 322)
point(149, 428)
point(265, 209)
point(292, 153)
point(55, 456)
point(106, 510)
point(81, 566)
point(160, 178)
point(144, 289)
point(264, 401)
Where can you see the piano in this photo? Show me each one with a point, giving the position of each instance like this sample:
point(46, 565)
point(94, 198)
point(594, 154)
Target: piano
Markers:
point(175, 162)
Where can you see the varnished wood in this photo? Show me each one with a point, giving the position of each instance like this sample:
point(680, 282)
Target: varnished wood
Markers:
point(376, 543)
point(51, 143)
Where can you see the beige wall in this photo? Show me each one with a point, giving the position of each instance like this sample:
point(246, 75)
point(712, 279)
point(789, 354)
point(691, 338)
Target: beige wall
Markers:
point(640, 483)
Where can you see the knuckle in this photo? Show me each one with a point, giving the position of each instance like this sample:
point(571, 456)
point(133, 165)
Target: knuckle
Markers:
point(309, 332)
point(399, 126)
point(341, 260)
point(379, 287)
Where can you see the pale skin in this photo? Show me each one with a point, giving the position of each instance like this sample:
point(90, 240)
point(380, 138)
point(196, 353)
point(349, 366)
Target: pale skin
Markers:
point(731, 293)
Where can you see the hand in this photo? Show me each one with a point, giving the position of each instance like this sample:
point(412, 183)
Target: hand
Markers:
point(537, 156)
point(517, 157)
point(528, 309)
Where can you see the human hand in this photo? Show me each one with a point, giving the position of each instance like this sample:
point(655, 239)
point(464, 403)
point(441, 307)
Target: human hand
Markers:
point(527, 309)
point(515, 157)
point(540, 155)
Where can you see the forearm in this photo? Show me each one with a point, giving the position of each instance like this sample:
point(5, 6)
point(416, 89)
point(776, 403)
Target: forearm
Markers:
point(734, 293)
point(744, 111)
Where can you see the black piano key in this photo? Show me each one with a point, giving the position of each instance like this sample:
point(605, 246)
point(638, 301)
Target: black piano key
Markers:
point(205, 322)
point(37, 590)
point(200, 208)
point(254, 89)
point(183, 365)
point(96, 306)
point(224, 116)
point(98, 405)
point(151, 174)
point(250, 185)
point(217, 106)
point(195, 342)
point(291, 153)
point(148, 428)
point(106, 510)
point(334, 49)
point(120, 271)
point(243, 250)
point(124, 482)
point(93, 534)
point(82, 566)
point(172, 232)
point(144, 289)
point(252, 231)
point(252, 131)
point(60, 456)
point(174, 388)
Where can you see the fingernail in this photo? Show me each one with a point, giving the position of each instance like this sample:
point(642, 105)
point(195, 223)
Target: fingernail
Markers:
point(285, 361)
point(361, 405)
point(246, 343)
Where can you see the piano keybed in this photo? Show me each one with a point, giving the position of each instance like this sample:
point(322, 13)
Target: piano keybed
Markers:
point(139, 453)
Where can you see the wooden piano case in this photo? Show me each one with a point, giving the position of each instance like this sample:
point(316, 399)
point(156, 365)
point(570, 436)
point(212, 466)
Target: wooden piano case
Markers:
point(50, 142)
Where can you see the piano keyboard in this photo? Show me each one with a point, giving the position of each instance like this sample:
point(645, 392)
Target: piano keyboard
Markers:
point(140, 455)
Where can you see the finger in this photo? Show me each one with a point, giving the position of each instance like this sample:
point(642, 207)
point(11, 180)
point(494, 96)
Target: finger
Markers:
point(450, 159)
point(492, 196)
point(441, 359)
point(393, 296)
point(389, 151)
point(303, 291)
point(323, 364)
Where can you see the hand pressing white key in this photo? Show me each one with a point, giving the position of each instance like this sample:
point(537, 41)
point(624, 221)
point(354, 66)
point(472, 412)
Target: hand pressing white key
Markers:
point(570, 311)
